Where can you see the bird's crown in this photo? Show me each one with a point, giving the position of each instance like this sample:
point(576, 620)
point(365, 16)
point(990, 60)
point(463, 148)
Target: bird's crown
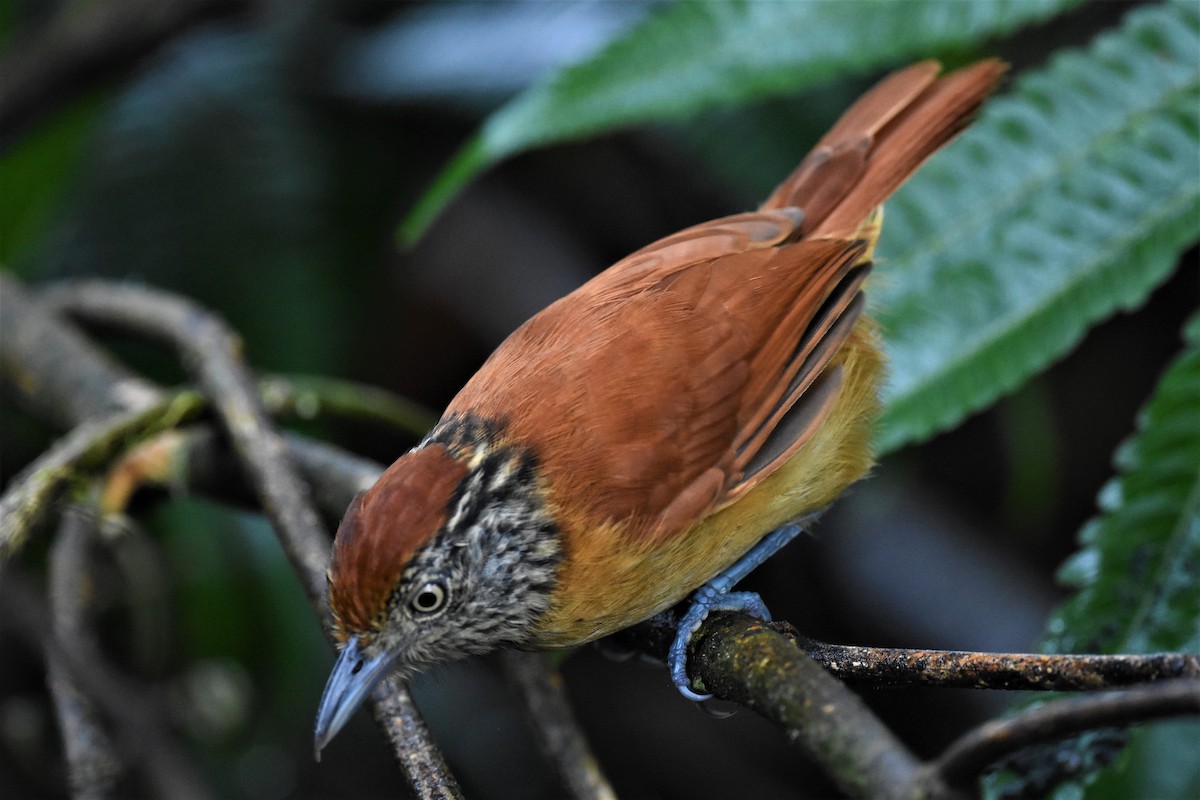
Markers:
point(381, 531)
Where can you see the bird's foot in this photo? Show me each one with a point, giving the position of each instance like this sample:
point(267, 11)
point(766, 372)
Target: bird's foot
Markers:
point(716, 595)
point(705, 601)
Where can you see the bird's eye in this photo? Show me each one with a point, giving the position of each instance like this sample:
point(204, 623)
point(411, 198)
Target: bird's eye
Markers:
point(429, 598)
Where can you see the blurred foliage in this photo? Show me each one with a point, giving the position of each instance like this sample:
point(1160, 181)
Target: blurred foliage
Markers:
point(246, 163)
point(249, 625)
point(697, 56)
point(208, 149)
point(35, 174)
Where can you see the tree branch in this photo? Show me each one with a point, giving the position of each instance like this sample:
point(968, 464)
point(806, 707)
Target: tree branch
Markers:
point(428, 774)
point(92, 766)
point(197, 459)
point(55, 371)
point(962, 763)
point(893, 667)
point(212, 353)
point(769, 668)
point(309, 396)
point(88, 447)
point(141, 731)
point(740, 659)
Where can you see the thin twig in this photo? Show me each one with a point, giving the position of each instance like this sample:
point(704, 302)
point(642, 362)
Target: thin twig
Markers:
point(541, 688)
point(891, 667)
point(962, 763)
point(312, 397)
point(86, 449)
point(197, 460)
point(55, 371)
point(92, 766)
point(429, 775)
point(213, 353)
point(141, 731)
point(334, 474)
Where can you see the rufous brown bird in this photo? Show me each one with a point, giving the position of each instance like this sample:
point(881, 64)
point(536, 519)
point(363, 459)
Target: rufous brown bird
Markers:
point(642, 434)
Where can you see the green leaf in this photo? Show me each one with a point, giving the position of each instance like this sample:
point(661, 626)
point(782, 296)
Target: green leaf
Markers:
point(1137, 572)
point(1067, 200)
point(1161, 762)
point(696, 56)
point(1137, 581)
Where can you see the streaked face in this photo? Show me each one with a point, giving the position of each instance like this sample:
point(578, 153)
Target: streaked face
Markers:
point(428, 567)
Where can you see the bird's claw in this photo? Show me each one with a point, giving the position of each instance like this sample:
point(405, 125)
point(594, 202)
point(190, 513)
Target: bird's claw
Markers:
point(716, 596)
point(706, 601)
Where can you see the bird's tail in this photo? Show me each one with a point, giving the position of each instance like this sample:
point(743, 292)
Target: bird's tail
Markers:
point(880, 141)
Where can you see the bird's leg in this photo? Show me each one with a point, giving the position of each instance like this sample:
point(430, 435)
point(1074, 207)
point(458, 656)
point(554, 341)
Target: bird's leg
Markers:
point(716, 596)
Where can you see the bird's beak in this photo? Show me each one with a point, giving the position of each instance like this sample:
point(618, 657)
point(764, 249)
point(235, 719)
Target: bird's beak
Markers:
point(352, 679)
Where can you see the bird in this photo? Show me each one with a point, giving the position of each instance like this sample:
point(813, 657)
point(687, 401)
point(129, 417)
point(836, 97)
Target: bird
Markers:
point(655, 433)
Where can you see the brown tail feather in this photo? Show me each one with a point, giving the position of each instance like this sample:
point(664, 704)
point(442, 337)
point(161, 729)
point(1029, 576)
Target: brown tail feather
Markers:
point(881, 140)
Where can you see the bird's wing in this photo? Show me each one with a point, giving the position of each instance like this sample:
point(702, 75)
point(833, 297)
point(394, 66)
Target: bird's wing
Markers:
point(683, 375)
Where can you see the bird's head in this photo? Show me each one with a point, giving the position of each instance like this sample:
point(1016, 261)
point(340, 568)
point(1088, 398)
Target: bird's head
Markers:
point(450, 553)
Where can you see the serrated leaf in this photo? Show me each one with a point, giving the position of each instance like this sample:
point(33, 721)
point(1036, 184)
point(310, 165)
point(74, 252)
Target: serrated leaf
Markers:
point(1067, 200)
point(696, 56)
point(1137, 572)
point(1137, 576)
